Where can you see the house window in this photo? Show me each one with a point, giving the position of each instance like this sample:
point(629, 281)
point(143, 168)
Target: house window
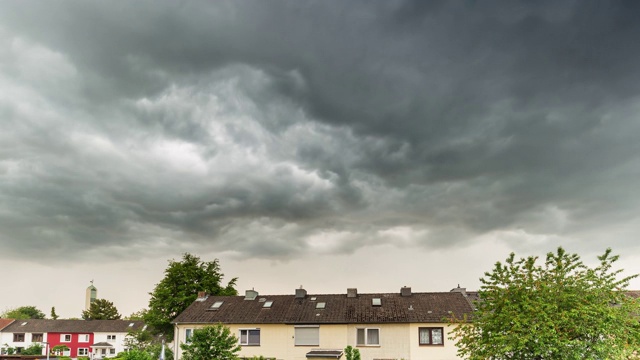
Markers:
point(111, 337)
point(368, 336)
point(430, 335)
point(65, 338)
point(250, 337)
point(83, 338)
point(36, 338)
point(188, 333)
point(112, 351)
point(18, 337)
point(83, 351)
point(307, 336)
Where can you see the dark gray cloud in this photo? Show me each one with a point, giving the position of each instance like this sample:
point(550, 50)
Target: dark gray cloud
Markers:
point(280, 128)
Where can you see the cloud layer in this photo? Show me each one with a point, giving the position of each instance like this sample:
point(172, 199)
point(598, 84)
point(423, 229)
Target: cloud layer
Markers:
point(270, 130)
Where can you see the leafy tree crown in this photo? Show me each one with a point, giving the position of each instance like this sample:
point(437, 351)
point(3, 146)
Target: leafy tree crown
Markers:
point(561, 309)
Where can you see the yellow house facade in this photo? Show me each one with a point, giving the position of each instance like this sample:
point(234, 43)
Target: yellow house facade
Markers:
point(386, 326)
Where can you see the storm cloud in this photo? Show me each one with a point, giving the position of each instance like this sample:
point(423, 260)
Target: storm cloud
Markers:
point(274, 129)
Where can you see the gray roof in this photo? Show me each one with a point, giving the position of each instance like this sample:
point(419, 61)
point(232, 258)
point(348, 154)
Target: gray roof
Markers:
point(339, 309)
point(72, 326)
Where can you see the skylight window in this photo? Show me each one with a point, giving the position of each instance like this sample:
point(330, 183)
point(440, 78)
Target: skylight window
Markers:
point(320, 305)
point(267, 304)
point(216, 305)
point(314, 298)
point(376, 302)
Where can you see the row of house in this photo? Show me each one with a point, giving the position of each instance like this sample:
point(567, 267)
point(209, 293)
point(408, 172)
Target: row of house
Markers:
point(94, 339)
point(403, 325)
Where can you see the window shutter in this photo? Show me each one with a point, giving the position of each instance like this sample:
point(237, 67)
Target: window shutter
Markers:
point(307, 336)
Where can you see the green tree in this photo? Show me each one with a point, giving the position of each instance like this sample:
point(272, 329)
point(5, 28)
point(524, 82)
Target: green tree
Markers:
point(101, 309)
point(134, 355)
point(59, 349)
point(54, 316)
point(179, 288)
point(351, 353)
point(138, 339)
point(561, 309)
point(23, 312)
point(138, 315)
point(211, 342)
point(34, 349)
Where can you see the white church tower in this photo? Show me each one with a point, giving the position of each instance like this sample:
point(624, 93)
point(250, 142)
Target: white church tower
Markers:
point(91, 296)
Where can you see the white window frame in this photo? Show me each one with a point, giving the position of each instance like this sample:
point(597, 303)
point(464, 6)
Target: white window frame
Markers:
point(112, 351)
point(295, 337)
point(247, 343)
point(188, 334)
point(366, 337)
point(83, 338)
point(63, 338)
point(111, 337)
point(83, 351)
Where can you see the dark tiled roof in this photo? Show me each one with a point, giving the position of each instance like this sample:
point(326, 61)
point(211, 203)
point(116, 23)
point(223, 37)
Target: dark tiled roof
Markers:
point(339, 309)
point(72, 326)
point(634, 293)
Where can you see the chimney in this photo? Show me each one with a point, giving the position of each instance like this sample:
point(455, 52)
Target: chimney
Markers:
point(460, 290)
point(301, 293)
point(352, 292)
point(405, 291)
point(202, 296)
point(250, 294)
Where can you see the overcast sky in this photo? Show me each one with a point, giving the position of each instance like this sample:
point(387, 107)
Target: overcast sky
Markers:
point(329, 144)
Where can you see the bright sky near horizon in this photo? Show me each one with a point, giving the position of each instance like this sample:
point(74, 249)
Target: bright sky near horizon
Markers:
point(324, 144)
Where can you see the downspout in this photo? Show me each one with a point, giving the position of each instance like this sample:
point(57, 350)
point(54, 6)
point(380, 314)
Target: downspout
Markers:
point(176, 338)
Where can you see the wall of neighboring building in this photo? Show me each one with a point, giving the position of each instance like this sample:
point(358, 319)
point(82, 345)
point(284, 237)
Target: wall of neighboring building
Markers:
point(77, 341)
point(118, 342)
point(6, 340)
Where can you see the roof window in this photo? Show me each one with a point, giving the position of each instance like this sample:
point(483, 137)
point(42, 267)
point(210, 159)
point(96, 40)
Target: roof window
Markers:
point(216, 305)
point(321, 305)
point(267, 304)
point(376, 302)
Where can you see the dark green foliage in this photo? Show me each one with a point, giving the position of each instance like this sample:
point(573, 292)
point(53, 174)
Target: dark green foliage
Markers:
point(54, 316)
point(144, 341)
point(134, 355)
point(562, 310)
point(23, 312)
point(101, 309)
point(138, 315)
point(179, 288)
point(35, 349)
point(211, 342)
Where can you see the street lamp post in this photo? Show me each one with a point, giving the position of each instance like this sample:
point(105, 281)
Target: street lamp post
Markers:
point(46, 348)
